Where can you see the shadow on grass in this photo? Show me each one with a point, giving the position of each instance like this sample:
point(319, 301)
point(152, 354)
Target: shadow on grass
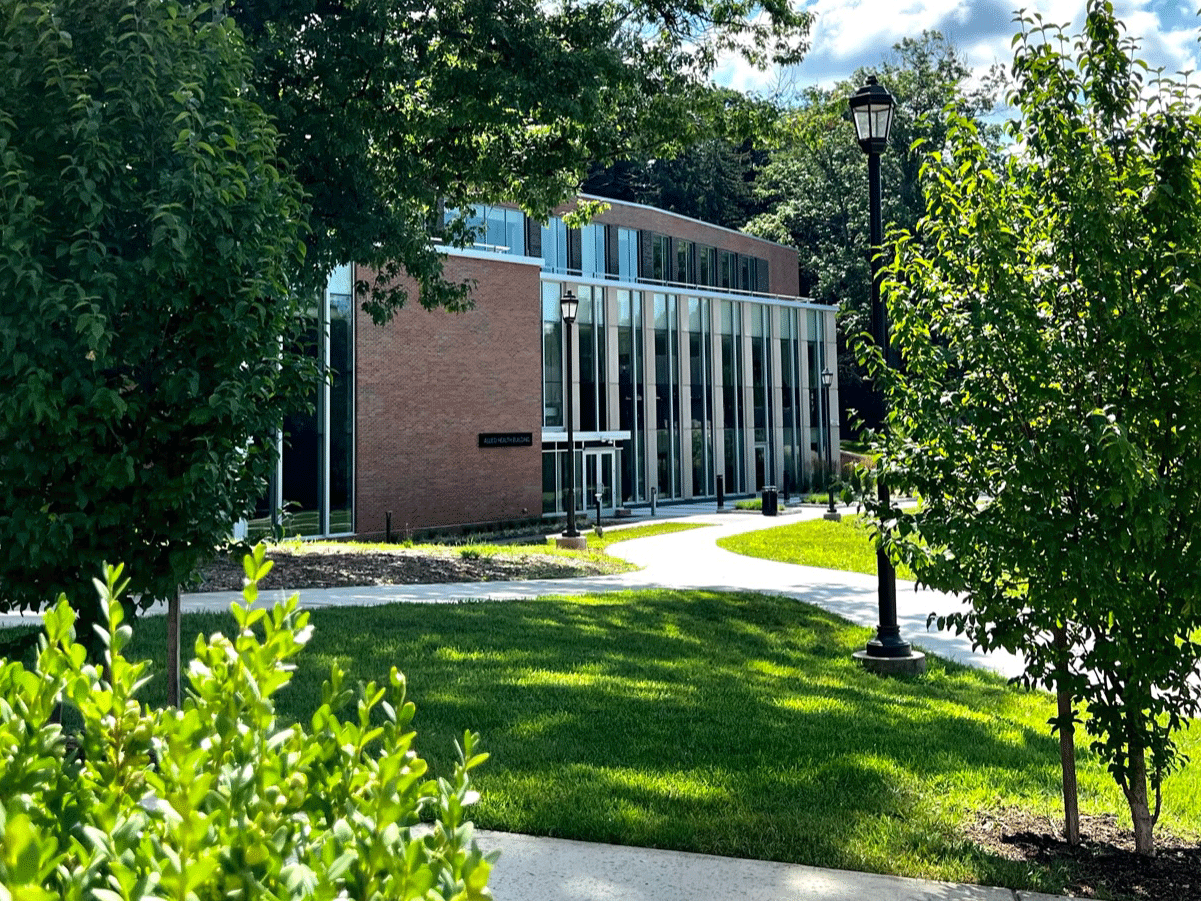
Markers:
point(719, 723)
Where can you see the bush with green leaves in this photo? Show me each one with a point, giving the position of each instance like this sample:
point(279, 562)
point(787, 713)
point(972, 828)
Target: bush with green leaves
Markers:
point(218, 799)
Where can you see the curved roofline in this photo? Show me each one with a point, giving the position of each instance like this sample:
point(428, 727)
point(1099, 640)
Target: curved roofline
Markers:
point(655, 209)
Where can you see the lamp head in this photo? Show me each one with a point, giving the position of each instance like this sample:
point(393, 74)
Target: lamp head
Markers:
point(871, 110)
point(827, 377)
point(568, 305)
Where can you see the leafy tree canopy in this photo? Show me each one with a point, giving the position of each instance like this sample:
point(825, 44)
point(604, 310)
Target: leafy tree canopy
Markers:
point(712, 178)
point(387, 108)
point(814, 187)
point(1047, 312)
point(147, 244)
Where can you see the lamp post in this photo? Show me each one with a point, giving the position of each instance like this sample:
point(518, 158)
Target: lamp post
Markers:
point(871, 111)
point(827, 381)
point(568, 305)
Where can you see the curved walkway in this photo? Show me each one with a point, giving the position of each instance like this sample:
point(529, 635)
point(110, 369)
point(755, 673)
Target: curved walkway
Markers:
point(683, 560)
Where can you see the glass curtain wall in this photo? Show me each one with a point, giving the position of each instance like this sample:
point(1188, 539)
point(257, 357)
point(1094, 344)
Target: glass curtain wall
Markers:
point(627, 254)
point(312, 492)
point(790, 407)
point(631, 402)
point(817, 419)
point(592, 250)
point(761, 382)
point(341, 413)
point(552, 357)
point(700, 340)
point(554, 245)
point(590, 320)
point(733, 438)
point(496, 229)
point(300, 511)
point(667, 395)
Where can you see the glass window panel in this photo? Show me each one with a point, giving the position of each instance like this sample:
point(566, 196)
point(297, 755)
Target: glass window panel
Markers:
point(550, 494)
point(552, 356)
point(341, 414)
point(554, 245)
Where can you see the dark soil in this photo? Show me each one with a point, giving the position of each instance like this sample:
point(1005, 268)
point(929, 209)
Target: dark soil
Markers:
point(1103, 864)
point(331, 568)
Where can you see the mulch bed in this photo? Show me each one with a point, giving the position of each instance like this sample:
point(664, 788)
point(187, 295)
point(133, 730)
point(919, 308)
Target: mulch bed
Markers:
point(1103, 861)
point(321, 568)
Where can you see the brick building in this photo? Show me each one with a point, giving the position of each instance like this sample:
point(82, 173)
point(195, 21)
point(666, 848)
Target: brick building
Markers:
point(694, 362)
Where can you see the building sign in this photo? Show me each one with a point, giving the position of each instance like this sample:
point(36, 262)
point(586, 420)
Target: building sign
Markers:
point(506, 439)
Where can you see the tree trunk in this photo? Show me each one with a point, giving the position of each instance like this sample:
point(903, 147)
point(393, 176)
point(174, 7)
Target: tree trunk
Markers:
point(1136, 797)
point(1067, 745)
point(1067, 763)
point(173, 604)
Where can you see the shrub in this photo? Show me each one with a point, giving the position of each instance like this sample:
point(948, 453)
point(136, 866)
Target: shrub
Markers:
point(219, 799)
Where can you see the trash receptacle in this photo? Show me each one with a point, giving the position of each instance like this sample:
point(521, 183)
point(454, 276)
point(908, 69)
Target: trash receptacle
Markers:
point(771, 500)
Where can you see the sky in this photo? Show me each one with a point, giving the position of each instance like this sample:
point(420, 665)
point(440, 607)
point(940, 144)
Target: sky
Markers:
point(848, 34)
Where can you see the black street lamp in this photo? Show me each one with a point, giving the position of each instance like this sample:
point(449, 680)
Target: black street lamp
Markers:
point(827, 381)
point(871, 110)
point(568, 305)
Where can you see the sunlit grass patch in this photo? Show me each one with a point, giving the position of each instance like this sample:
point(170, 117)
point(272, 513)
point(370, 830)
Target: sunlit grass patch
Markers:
point(844, 545)
point(732, 724)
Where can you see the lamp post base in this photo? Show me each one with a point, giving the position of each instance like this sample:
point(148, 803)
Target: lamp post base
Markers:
point(572, 542)
point(912, 664)
point(832, 515)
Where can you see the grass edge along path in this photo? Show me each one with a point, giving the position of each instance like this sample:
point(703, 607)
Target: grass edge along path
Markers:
point(728, 724)
point(843, 545)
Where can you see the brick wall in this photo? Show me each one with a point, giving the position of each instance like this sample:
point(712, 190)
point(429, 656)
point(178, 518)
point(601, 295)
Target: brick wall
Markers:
point(428, 383)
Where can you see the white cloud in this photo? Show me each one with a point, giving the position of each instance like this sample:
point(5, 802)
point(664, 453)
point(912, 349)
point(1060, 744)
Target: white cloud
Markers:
point(848, 34)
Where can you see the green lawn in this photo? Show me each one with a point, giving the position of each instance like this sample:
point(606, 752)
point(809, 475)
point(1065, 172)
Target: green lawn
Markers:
point(730, 724)
point(843, 545)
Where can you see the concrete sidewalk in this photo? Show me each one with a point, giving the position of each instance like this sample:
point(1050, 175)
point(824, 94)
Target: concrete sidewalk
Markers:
point(550, 869)
point(689, 560)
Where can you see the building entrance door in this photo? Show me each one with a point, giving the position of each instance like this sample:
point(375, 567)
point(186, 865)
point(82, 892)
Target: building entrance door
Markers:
point(600, 470)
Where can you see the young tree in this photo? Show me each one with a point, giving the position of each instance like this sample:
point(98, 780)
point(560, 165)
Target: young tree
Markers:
point(1047, 314)
point(389, 109)
point(148, 242)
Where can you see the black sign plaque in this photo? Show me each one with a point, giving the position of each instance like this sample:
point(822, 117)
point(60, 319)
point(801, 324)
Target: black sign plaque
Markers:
point(506, 439)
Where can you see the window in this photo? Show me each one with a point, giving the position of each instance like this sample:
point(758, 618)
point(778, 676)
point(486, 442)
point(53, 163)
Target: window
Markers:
point(660, 257)
point(554, 245)
point(627, 254)
point(685, 269)
point(494, 228)
point(592, 250)
point(725, 271)
point(706, 266)
point(552, 356)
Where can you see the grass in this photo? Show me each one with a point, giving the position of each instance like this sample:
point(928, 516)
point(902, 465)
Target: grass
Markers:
point(613, 535)
point(731, 724)
point(843, 545)
point(756, 503)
